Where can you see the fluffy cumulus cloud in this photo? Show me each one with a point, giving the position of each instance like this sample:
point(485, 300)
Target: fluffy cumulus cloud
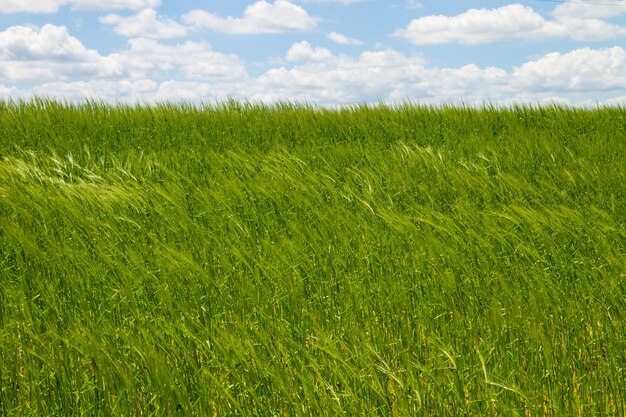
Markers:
point(303, 51)
point(343, 39)
point(61, 66)
point(196, 61)
point(148, 70)
point(583, 69)
point(507, 23)
point(390, 76)
point(259, 18)
point(373, 76)
point(52, 6)
point(469, 83)
point(49, 53)
point(145, 24)
point(385, 75)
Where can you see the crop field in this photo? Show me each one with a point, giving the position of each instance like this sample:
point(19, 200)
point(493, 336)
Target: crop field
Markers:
point(243, 259)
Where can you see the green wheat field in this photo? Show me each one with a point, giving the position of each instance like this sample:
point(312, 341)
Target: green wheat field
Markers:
point(288, 260)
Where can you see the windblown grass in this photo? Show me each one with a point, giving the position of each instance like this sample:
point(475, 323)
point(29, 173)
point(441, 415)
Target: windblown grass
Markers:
point(253, 260)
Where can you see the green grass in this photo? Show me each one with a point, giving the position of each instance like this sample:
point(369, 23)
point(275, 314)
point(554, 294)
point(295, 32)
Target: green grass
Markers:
point(242, 259)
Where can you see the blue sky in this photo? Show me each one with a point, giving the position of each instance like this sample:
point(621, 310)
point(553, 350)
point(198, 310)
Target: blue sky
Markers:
point(329, 52)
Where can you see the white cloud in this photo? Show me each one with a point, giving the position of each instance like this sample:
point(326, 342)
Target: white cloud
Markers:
point(534, 100)
point(145, 24)
point(8, 91)
point(258, 18)
point(512, 22)
point(468, 82)
point(583, 69)
point(475, 26)
point(617, 101)
point(59, 65)
point(127, 91)
point(48, 53)
point(391, 76)
point(303, 51)
point(148, 72)
point(52, 6)
point(587, 29)
point(372, 76)
point(52, 42)
point(32, 6)
point(343, 39)
point(197, 91)
point(109, 90)
point(580, 10)
point(146, 58)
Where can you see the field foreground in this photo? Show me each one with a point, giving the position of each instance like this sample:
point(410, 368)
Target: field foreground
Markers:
point(250, 260)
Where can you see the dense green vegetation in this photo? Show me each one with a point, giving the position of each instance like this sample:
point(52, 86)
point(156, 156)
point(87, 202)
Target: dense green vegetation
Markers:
point(286, 260)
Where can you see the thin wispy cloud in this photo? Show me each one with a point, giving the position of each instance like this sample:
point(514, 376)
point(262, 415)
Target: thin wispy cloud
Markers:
point(343, 39)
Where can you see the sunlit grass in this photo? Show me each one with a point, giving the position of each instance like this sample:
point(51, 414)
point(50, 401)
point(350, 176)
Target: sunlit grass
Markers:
point(242, 259)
